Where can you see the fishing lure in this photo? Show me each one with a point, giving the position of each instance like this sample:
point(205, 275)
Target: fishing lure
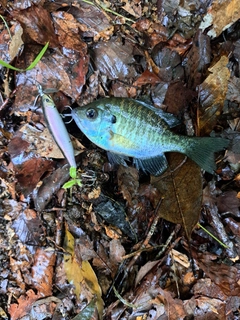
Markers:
point(131, 128)
point(57, 127)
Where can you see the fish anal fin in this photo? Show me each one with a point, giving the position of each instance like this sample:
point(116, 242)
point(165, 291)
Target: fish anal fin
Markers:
point(117, 159)
point(155, 166)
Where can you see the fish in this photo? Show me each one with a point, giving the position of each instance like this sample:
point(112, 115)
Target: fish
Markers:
point(128, 128)
point(57, 127)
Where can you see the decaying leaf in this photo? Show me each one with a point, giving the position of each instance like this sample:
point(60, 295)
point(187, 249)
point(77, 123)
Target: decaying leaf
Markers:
point(181, 189)
point(37, 23)
point(42, 142)
point(212, 93)
point(226, 277)
point(28, 227)
point(220, 16)
point(114, 59)
point(17, 311)
point(95, 22)
point(42, 271)
point(81, 275)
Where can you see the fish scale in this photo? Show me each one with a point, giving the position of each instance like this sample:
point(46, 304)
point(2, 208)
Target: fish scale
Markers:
point(131, 128)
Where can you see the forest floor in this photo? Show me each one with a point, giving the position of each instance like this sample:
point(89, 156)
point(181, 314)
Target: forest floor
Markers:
point(123, 244)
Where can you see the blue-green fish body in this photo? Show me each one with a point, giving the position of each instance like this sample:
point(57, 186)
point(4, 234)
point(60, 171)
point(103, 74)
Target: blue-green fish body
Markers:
point(132, 128)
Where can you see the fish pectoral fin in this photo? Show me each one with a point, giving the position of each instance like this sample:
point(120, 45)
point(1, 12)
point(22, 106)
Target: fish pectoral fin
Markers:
point(117, 159)
point(155, 166)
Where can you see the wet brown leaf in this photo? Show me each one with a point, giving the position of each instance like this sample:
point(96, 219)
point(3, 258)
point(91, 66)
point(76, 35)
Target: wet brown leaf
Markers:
point(42, 142)
point(205, 308)
point(37, 24)
point(220, 15)
point(199, 58)
point(17, 311)
point(95, 22)
point(226, 277)
point(65, 72)
point(128, 182)
point(181, 190)
point(114, 59)
point(28, 168)
point(133, 7)
point(42, 271)
point(212, 93)
point(5, 42)
point(67, 29)
point(147, 77)
point(28, 227)
point(229, 202)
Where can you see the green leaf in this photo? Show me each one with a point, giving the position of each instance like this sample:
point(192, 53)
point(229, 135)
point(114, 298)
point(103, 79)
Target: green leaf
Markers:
point(69, 184)
point(73, 172)
point(32, 65)
point(5, 64)
point(74, 181)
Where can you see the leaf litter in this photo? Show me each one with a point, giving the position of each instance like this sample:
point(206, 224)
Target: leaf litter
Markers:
point(132, 245)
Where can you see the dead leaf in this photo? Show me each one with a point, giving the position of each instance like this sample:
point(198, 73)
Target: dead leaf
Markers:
point(226, 277)
point(181, 191)
point(128, 182)
point(67, 29)
point(28, 226)
point(212, 93)
point(42, 271)
point(220, 16)
point(229, 202)
point(81, 275)
point(133, 7)
point(95, 22)
point(37, 24)
point(114, 59)
point(42, 142)
point(116, 251)
point(17, 311)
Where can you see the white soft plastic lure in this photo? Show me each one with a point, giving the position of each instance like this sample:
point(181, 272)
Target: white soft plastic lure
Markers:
point(57, 127)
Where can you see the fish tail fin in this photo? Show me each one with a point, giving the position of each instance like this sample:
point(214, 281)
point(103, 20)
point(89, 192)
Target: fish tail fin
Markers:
point(201, 150)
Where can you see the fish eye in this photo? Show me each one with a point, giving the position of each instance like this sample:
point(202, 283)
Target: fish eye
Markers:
point(92, 114)
point(113, 119)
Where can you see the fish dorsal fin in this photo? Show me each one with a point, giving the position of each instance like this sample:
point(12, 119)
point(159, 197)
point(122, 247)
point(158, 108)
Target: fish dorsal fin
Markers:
point(169, 118)
point(155, 166)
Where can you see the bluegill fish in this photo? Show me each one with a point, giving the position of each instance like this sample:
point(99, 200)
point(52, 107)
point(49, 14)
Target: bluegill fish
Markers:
point(57, 127)
point(131, 128)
